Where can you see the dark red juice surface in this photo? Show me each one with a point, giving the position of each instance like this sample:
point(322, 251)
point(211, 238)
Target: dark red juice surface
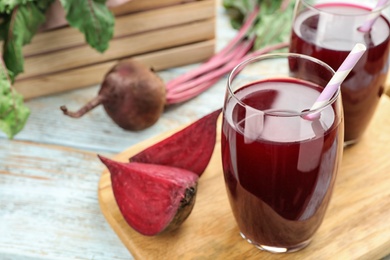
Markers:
point(364, 86)
point(279, 184)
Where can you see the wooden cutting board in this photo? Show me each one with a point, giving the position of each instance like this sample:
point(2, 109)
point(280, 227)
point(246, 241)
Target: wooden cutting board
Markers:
point(356, 226)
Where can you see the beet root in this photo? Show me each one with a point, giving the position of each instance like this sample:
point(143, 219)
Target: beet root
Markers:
point(132, 95)
point(152, 198)
point(190, 149)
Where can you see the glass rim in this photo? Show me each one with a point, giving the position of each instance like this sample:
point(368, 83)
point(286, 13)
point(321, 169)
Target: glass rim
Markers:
point(363, 13)
point(280, 113)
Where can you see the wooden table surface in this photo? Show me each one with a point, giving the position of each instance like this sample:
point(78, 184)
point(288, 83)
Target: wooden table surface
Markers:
point(49, 173)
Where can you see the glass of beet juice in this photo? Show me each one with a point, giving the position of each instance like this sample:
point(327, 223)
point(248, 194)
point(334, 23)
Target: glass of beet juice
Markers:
point(328, 30)
point(280, 168)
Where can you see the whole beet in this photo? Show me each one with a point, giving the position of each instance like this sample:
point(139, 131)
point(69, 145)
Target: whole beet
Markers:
point(132, 95)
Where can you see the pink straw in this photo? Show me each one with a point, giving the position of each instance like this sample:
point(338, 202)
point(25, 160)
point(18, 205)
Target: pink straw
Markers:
point(366, 27)
point(335, 82)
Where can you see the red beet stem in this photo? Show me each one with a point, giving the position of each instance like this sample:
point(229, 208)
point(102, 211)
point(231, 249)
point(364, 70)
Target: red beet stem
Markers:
point(204, 68)
point(221, 57)
point(86, 108)
point(241, 33)
point(266, 50)
point(187, 95)
point(284, 4)
point(196, 81)
point(197, 86)
point(238, 54)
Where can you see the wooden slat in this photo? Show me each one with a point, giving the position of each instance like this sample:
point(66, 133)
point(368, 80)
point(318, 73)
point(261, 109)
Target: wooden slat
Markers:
point(119, 48)
point(142, 5)
point(90, 75)
point(140, 22)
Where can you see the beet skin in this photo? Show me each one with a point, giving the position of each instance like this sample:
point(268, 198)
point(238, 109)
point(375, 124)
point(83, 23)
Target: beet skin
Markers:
point(190, 149)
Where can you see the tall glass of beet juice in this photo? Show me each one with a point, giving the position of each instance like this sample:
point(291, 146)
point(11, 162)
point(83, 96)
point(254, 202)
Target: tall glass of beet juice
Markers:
point(279, 167)
point(328, 30)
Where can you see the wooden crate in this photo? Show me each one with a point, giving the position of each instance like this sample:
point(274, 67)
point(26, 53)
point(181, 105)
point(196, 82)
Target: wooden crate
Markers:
point(160, 33)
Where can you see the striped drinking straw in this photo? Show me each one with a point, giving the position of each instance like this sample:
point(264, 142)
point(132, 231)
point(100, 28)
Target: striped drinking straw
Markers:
point(340, 75)
point(366, 27)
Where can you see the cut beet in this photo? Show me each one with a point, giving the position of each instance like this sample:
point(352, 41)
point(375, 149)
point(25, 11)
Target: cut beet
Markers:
point(190, 149)
point(152, 198)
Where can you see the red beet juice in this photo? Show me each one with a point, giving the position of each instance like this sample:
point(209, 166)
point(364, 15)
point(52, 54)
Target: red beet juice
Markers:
point(279, 179)
point(330, 40)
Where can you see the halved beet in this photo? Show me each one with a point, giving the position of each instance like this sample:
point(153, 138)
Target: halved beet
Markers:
point(190, 149)
point(152, 198)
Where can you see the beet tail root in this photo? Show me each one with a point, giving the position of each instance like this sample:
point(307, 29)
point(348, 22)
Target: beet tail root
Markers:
point(85, 109)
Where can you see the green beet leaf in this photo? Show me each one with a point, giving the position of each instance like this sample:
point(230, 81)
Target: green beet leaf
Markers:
point(19, 22)
point(20, 27)
point(237, 10)
point(43, 4)
point(6, 6)
point(13, 112)
point(273, 24)
point(93, 19)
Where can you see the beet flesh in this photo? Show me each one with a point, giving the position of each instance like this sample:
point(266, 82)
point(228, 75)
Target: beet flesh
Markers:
point(132, 95)
point(152, 198)
point(190, 149)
